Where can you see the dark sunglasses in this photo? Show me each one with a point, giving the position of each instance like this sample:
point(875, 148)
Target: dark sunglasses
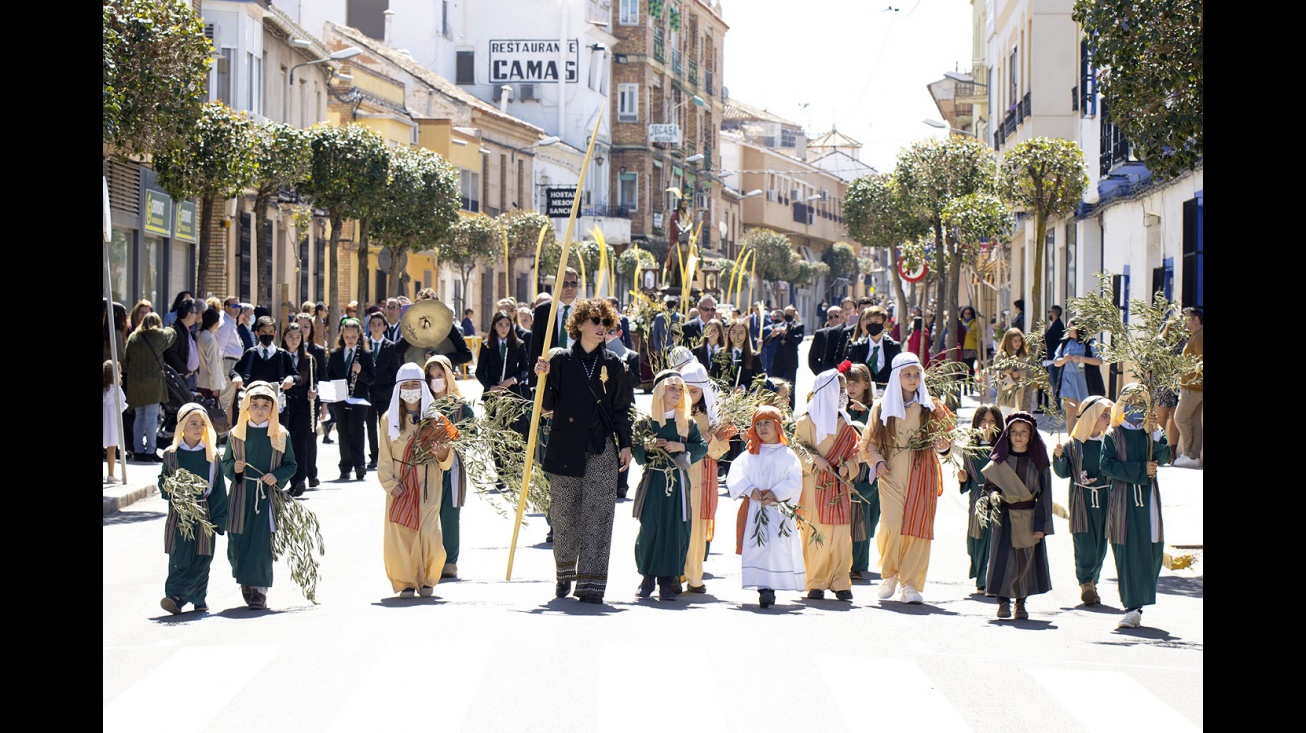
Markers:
point(607, 322)
point(570, 283)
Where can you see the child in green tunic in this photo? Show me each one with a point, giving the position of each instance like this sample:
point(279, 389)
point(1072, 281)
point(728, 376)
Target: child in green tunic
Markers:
point(866, 494)
point(989, 419)
point(440, 377)
point(1133, 524)
point(194, 448)
point(1081, 462)
point(662, 501)
point(258, 459)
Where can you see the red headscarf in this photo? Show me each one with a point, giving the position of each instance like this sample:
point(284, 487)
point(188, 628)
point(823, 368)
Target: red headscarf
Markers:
point(765, 412)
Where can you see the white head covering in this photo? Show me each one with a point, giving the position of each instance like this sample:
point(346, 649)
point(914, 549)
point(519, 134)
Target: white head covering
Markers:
point(695, 375)
point(276, 432)
point(823, 408)
point(450, 382)
point(660, 414)
point(409, 371)
point(679, 356)
point(892, 405)
point(209, 438)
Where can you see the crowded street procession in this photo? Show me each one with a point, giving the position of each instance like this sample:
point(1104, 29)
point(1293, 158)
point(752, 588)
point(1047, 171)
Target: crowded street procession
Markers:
point(491, 315)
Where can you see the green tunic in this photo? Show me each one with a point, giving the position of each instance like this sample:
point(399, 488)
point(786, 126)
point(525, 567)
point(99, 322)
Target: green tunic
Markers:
point(663, 539)
point(1090, 544)
point(188, 572)
point(450, 515)
point(250, 552)
point(977, 537)
point(1138, 559)
point(866, 497)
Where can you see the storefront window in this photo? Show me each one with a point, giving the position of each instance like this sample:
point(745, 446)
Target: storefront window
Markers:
point(151, 247)
point(119, 263)
point(180, 275)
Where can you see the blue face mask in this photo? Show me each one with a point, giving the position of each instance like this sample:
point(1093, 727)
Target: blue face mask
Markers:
point(1134, 414)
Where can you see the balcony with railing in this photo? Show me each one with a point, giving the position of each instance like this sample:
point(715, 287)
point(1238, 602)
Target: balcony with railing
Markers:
point(1009, 122)
point(693, 72)
point(614, 211)
point(707, 83)
point(676, 68)
point(1025, 105)
point(659, 46)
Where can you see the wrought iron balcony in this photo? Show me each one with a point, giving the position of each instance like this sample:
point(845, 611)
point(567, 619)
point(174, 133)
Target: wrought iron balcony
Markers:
point(1025, 105)
point(614, 211)
point(693, 72)
point(676, 68)
point(659, 46)
point(707, 83)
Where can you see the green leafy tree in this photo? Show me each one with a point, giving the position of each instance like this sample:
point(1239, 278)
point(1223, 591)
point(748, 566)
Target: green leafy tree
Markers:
point(523, 230)
point(586, 251)
point(776, 259)
point(875, 210)
point(1045, 177)
point(419, 206)
point(473, 240)
point(931, 174)
point(214, 163)
point(282, 159)
point(156, 70)
point(347, 170)
point(1150, 53)
point(980, 222)
point(630, 262)
point(841, 260)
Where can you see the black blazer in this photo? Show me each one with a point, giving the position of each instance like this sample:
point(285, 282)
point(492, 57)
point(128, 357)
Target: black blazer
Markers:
point(818, 356)
point(362, 385)
point(714, 368)
point(461, 354)
point(859, 352)
point(489, 366)
point(178, 353)
point(691, 331)
point(253, 367)
point(540, 323)
point(836, 346)
point(576, 419)
point(524, 337)
point(385, 367)
point(741, 374)
point(785, 362)
point(297, 396)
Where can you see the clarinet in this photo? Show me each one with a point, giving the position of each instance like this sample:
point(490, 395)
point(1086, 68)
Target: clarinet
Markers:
point(312, 386)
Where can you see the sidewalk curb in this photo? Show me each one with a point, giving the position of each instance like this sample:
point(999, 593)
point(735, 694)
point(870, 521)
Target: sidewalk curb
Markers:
point(1174, 558)
point(116, 502)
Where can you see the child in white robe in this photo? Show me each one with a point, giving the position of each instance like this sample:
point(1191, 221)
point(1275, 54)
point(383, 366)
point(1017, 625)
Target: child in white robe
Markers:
point(769, 472)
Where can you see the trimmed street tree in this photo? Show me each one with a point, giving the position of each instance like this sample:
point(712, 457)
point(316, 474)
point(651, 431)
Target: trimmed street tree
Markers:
point(841, 259)
point(282, 157)
point(875, 211)
point(1150, 56)
point(347, 169)
point(776, 259)
point(215, 163)
point(472, 240)
point(1045, 177)
point(979, 222)
point(156, 70)
point(932, 173)
point(418, 208)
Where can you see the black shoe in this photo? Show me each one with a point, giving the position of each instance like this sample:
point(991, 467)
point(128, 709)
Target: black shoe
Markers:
point(591, 598)
point(298, 489)
point(312, 483)
point(564, 587)
point(172, 604)
point(549, 538)
point(666, 592)
point(361, 474)
point(326, 440)
point(696, 589)
point(766, 597)
point(843, 595)
point(676, 587)
point(371, 465)
point(855, 575)
point(816, 595)
point(344, 476)
point(621, 494)
point(645, 587)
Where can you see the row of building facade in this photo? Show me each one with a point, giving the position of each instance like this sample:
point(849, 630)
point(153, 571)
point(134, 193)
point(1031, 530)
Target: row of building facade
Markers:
point(510, 93)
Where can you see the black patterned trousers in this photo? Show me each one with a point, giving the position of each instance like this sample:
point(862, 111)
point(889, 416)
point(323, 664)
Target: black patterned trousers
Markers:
point(582, 510)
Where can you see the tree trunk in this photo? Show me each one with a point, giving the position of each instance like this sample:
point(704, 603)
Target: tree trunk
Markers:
point(950, 325)
point(333, 288)
point(264, 248)
point(1035, 309)
point(206, 241)
point(364, 277)
point(903, 308)
point(941, 296)
point(393, 276)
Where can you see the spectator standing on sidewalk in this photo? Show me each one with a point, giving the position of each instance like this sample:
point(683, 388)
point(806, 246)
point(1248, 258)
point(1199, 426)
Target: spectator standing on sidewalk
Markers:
point(144, 383)
point(1188, 414)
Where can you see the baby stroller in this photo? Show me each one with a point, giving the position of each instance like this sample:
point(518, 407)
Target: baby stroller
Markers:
point(179, 393)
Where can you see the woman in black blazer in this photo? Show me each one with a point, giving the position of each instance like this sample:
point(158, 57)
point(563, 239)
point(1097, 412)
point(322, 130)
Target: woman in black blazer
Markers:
point(709, 351)
point(298, 417)
point(502, 363)
point(350, 421)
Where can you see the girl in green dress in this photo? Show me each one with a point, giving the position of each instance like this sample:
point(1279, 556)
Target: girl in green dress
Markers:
point(989, 419)
point(1080, 460)
point(866, 494)
point(662, 500)
point(194, 448)
point(440, 378)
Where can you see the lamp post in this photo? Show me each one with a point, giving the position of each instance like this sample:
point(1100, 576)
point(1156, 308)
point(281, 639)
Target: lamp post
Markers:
point(944, 126)
point(341, 55)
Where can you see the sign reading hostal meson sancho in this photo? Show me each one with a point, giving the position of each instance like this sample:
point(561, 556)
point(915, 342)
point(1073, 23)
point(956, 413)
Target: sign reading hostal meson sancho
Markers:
point(532, 61)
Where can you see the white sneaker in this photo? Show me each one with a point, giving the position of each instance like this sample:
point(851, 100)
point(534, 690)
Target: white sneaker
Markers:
point(1132, 620)
point(1186, 462)
point(910, 595)
point(887, 587)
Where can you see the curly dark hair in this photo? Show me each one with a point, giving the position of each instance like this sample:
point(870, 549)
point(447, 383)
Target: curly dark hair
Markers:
point(586, 308)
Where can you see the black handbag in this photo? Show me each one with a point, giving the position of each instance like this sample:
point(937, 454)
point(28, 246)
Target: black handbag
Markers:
point(217, 415)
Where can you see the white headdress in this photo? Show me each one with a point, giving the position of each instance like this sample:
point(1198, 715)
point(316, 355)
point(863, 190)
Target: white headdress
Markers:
point(823, 408)
point(409, 371)
point(695, 375)
point(893, 405)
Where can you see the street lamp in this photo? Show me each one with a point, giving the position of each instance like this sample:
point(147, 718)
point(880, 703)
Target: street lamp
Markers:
point(751, 194)
point(694, 158)
point(964, 78)
point(341, 55)
point(943, 126)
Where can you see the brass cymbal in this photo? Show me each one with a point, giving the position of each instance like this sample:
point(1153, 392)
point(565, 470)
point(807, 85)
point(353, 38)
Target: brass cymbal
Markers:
point(426, 323)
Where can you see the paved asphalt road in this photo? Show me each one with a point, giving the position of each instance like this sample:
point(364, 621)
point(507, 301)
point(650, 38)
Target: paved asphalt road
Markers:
point(490, 655)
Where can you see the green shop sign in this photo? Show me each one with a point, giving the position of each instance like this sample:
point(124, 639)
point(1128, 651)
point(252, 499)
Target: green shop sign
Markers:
point(185, 230)
point(158, 213)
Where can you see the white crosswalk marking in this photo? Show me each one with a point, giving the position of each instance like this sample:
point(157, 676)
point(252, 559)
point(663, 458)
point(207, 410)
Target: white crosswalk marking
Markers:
point(631, 670)
point(1118, 700)
point(918, 705)
point(413, 673)
point(192, 685)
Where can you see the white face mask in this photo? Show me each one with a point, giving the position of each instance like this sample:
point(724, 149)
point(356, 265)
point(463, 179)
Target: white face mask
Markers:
point(843, 400)
point(437, 385)
point(411, 396)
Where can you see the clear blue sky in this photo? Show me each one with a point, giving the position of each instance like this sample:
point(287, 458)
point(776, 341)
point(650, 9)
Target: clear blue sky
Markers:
point(852, 62)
